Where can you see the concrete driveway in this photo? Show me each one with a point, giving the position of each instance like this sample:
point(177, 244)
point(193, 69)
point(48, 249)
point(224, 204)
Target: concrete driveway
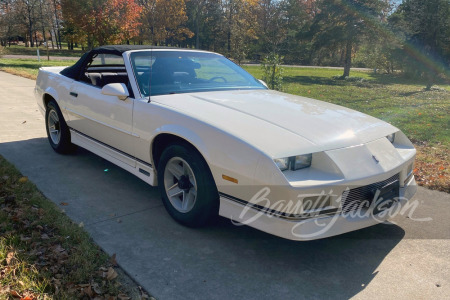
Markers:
point(410, 260)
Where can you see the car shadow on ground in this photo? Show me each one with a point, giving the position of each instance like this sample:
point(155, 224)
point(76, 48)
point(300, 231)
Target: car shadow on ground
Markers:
point(336, 267)
point(125, 216)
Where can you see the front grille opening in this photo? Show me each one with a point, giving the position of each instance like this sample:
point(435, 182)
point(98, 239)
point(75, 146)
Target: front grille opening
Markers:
point(361, 197)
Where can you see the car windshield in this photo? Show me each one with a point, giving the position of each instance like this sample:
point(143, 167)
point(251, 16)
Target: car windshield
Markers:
point(172, 72)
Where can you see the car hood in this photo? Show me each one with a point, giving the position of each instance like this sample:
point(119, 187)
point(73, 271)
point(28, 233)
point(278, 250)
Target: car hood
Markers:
point(280, 124)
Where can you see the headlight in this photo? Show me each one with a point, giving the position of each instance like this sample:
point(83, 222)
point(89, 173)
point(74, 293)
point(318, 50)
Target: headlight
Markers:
point(294, 162)
point(282, 163)
point(391, 137)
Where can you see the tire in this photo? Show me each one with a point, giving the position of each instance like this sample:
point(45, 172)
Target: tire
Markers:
point(185, 176)
point(57, 130)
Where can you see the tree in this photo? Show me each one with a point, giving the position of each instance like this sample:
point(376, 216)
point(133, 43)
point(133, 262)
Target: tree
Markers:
point(195, 12)
point(241, 27)
point(272, 25)
point(298, 16)
point(272, 71)
point(27, 9)
point(342, 23)
point(101, 22)
point(165, 20)
point(57, 11)
point(8, 24)
point(426, 25)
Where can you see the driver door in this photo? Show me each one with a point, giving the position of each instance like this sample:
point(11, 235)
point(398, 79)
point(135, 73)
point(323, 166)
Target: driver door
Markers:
point(105, 121)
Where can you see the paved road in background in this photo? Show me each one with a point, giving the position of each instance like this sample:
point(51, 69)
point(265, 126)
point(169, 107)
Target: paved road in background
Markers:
point(125, 216)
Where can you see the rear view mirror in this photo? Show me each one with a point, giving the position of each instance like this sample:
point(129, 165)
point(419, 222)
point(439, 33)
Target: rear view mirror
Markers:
point(116, 89)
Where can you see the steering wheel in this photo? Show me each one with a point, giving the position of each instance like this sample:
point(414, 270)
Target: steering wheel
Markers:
point(218, 77)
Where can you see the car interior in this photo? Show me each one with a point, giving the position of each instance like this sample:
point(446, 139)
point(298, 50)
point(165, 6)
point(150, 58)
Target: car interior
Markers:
point(99, 76)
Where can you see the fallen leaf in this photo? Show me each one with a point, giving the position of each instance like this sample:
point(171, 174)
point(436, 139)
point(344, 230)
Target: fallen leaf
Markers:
point(123, 297)
point(112, 260)
point(64, 204)
point(9, 257)
point(97, 289)
point(112, 274)
point(15, 294)
point(58, 248)
point(23, 179)
point(144, 296)
point(27, 298)
point(24, 122)
point(88, 291)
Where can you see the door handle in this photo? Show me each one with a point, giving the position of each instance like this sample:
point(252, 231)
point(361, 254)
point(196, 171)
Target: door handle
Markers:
point(73, 94)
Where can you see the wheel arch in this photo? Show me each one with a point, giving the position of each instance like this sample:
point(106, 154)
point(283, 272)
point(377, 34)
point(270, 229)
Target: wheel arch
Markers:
point(210, 143)
point(46, 99)
point(48, 95)
point(164, 139)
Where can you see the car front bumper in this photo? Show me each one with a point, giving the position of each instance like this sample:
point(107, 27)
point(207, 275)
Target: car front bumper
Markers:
point(317, 227)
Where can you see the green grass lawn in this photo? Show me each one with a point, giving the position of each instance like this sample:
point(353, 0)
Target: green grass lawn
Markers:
point(22, 50)
point(29, 68)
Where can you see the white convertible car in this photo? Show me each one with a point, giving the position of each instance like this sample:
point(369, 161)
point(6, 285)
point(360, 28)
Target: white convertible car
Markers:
point(217, 141)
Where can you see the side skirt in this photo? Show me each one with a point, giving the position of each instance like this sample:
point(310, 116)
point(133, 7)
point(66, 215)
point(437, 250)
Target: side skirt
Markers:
point(136, 167)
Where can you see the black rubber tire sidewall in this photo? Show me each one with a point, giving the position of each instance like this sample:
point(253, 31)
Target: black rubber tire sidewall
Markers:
point(206, 206)
point(64, 145)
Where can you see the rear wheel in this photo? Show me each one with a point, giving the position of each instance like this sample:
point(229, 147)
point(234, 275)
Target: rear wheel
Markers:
point(57, 130)
point(187, 187)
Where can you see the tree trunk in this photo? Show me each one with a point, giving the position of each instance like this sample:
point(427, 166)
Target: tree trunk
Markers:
point(51, 38)
point(30, 32)
point(57, 26)
point(36, 39)
point(197, 38)
point(348, 58)
point(230, 21)
point(42, 22)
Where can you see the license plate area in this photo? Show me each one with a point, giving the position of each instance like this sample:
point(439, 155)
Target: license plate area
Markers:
point(385, 197)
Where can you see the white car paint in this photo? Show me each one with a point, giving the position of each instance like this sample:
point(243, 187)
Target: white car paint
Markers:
point(239, 133)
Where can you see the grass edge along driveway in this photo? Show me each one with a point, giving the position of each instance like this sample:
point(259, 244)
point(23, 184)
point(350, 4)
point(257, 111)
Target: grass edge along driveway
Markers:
point(44, 255)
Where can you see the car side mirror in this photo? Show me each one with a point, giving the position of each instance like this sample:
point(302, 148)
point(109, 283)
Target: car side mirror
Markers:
point(263, 83)
point(116, 89)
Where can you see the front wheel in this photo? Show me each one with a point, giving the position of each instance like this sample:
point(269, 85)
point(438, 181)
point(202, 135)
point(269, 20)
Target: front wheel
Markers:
point(187, 187)
point(57, 130)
